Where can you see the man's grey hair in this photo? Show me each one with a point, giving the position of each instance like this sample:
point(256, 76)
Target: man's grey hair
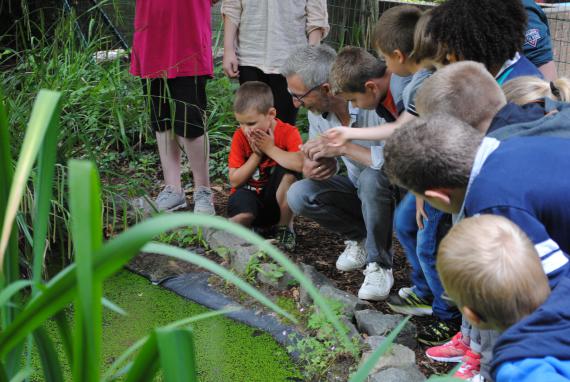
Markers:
point(464, 90)
point(426, 154)
point(312, 63)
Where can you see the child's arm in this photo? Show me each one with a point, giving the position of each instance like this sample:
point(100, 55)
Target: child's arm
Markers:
point(338, 136)
point(238, 176)
point(289, 160)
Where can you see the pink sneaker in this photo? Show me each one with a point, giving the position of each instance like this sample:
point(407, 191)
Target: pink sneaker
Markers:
point(452, 351)
point(470, 367)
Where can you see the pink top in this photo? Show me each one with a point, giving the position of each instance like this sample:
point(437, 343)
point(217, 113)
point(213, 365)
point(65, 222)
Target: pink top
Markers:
point(173, 38)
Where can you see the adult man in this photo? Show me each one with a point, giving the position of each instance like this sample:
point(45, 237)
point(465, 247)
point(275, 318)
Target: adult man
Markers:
point(358, 206)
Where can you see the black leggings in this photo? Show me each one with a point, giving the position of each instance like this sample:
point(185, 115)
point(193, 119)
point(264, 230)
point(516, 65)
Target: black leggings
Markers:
point(286, 111)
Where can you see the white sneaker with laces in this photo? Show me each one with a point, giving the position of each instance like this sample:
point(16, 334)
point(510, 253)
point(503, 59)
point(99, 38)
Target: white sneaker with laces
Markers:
point(204, 201)
point(377, 283)
point(353, 257)
point(170, 199)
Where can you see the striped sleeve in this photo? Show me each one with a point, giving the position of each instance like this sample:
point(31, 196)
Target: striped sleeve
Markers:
point(554, 260)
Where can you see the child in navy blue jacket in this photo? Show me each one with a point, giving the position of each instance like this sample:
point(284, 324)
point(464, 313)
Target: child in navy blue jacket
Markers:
point(493, 272)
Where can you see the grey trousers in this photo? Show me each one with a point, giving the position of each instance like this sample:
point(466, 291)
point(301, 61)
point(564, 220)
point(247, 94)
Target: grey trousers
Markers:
point(365, 212)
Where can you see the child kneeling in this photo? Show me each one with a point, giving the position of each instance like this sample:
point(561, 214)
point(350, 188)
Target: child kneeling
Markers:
point(264, 162)
point(491, 269)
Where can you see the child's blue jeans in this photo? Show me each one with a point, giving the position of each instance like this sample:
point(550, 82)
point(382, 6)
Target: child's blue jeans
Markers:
point(420, 247)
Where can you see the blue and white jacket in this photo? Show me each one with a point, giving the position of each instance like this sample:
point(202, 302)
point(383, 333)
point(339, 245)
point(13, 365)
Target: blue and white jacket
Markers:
point(537, 348)
point(527, 180)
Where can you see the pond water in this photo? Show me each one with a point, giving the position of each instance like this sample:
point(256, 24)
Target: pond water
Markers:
point(226, 351)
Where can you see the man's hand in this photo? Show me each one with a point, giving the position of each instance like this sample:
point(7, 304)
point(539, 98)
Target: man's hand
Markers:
point(263, 140)
point(319, 148)
point(230, 63)
point(338, 136)
point(322, 169)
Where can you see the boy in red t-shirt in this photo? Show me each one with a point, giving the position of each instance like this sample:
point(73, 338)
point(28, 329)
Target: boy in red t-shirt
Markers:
point(264, 162)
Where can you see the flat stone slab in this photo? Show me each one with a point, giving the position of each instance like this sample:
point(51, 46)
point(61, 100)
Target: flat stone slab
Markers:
point(158, 268)
point(316, 278)
point(397, 356)
point(375, 323)
point(410, 374)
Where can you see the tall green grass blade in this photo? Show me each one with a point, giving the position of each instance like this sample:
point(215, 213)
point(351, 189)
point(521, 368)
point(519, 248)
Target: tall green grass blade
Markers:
point(10, 264)
point(48, 356)
point(22, 375)
point(43, 192)
point(182, 254)
point(113, 307)
point(146, 364)
point(11, 290)
point(111, 370)
point(87, 234)
point(3, 375)
point(42, 113)
point(118, 251)
point(177, 359)
point(363, 371)
point(64, 329)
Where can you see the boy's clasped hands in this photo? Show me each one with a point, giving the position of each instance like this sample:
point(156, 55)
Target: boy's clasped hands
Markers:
point(260, 141)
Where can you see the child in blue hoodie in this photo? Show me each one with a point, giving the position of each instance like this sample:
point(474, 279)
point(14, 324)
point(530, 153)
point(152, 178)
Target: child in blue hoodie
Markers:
point(492, 271)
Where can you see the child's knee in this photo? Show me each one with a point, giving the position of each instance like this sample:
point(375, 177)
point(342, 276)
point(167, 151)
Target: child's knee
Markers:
point(243, 218)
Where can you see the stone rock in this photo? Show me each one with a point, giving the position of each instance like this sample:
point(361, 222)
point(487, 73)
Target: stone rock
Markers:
point(375, 323)
point(265, 276)
point(240, 258)
point(316, 278)
point(409, 374)
point(348, 300)
point(158, 268)
point(398, 356)
point(352, 331)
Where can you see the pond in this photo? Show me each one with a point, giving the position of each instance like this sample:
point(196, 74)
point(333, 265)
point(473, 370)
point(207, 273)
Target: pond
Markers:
point(226, 351)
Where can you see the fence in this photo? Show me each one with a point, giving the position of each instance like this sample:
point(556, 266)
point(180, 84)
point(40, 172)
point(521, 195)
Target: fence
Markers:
point(351, 21)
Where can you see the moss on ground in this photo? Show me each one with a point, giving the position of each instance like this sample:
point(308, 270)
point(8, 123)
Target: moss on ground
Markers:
point(226, 351)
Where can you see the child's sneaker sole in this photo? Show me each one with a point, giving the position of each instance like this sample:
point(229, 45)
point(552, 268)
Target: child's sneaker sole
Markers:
point(413, 310)
point(446, 359)
point(178, 207)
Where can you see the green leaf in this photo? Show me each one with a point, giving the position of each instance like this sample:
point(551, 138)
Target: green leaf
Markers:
point(176, 349)
point(87, 235)
point(147, 362)
point(43, 192)
point(113, 307)
point(43, 112)
point(22, 375)
point(12, 289)
point(48, 356)
point(367, 367)
point(64, 329)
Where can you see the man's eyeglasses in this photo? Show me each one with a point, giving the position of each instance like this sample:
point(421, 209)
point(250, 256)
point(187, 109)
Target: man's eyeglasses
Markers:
point(299, 98)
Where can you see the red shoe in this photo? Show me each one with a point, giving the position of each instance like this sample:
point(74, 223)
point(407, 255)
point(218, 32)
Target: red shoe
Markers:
point(470, 367)
point(452, 351)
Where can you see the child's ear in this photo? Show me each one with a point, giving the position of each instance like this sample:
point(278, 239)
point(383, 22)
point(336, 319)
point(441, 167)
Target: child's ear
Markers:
point(471, 316)
point(399, 56)
point(272, 112)
point(451, 58)
point(441, 194)
point(370, 85)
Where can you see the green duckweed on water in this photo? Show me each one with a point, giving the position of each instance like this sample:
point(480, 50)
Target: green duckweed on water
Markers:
point(226, 351)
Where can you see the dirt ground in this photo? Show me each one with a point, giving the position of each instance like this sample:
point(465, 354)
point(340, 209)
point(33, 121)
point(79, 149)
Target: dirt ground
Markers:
point(320, 248)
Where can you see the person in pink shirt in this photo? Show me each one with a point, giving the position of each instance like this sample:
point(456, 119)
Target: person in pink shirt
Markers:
point(172, 54)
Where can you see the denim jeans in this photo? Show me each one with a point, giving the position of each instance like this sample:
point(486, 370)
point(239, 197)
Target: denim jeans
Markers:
point(356, 214)
point(420, 246)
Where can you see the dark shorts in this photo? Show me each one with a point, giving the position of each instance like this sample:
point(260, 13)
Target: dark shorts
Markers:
point(177, 103)
point(262, 205)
